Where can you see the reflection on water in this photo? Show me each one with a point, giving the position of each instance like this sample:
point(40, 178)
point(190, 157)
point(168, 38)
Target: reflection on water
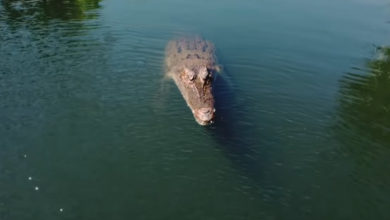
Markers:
point(365, 100)
point(49, 9)
point(364, 125)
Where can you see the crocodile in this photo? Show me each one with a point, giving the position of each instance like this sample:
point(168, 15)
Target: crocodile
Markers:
point(192, 64)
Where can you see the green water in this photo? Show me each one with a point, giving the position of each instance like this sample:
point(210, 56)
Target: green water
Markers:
point(90, 129)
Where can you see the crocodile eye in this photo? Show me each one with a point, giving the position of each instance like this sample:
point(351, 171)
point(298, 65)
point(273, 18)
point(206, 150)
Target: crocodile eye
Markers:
point(190, 74)
point(204, 73)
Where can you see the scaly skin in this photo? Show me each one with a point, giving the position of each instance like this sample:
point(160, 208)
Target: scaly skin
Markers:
point(192, 64)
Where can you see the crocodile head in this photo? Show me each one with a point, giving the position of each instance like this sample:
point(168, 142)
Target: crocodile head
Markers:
point(195, 84)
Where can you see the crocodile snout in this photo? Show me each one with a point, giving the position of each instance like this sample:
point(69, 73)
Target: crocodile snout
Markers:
point(204, 116)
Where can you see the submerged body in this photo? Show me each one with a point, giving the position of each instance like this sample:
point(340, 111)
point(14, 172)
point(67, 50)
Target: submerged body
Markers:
point(192, 64)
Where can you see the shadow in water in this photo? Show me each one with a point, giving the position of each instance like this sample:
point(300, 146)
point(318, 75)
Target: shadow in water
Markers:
point(233, 131)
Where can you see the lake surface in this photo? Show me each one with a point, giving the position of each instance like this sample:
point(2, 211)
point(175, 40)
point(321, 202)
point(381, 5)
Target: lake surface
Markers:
point(90, 129)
